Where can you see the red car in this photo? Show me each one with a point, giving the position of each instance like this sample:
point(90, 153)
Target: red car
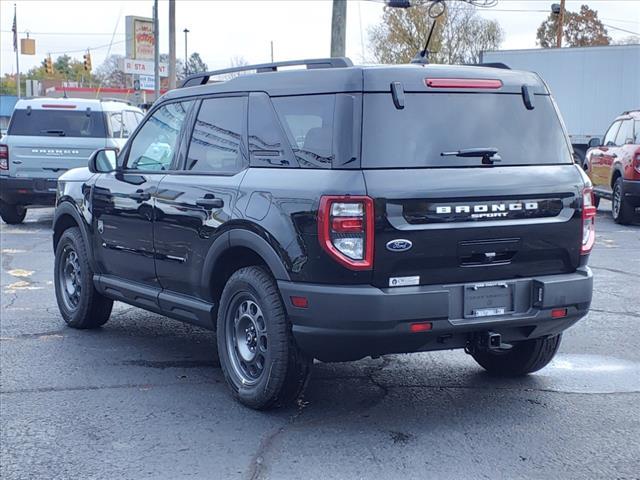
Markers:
point(614, 166)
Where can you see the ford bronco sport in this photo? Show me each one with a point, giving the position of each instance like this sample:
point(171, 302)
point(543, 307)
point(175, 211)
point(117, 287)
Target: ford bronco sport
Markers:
point(48, 136)
point(336, 212)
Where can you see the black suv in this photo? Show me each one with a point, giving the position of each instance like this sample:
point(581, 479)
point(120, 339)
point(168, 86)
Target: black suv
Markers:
point(336, 212)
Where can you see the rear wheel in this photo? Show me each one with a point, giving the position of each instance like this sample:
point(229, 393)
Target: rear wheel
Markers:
point(261, 363)
point(79, 302)
point(621, 209)
point(522, 358)
point(12, 214)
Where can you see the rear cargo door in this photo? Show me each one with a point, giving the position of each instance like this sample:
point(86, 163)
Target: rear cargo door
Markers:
point(456, 219)
point(44, 143)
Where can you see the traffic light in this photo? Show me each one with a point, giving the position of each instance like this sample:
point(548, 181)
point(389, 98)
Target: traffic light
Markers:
point(48, 65)
point(87, 61)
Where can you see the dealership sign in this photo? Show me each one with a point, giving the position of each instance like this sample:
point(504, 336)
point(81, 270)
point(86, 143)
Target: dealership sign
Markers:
point(143, 67)
point(140, 38)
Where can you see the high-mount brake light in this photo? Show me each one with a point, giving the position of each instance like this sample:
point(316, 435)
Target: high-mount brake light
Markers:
point(489, 83)
point(4, 157)
point(346, 230)
point(58, 105)
point(588, 221)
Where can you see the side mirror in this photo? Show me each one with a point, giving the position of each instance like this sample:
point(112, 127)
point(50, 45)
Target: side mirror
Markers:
point(595, 142)
point(104, 160)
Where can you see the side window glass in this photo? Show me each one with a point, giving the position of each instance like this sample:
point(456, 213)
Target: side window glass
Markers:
point(637, 132)
point(609, 138)
point(308, 122)
point(625, 133)
point(268, 144)
point(116, 125)
point(216, 142)
point(154, 145)
point(130, 122)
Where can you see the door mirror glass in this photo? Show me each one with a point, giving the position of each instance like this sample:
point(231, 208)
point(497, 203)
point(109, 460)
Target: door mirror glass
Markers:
point(594, 142)
point(103, 161)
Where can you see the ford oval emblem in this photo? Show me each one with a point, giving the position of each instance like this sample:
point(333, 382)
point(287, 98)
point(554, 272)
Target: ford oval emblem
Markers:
point(399, 245)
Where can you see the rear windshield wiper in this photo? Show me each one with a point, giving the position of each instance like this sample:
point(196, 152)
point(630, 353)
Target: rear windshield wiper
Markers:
point(59, 133)
point(489, 154)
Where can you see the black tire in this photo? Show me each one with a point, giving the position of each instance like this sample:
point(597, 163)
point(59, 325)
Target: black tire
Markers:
point(79, 302)
point(12, 214)
point(522, 358)
point(262, 366)
point(621, 209)
point(596, 201)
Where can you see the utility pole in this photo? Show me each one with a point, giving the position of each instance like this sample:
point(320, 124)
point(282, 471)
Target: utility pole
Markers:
point(338, 28)
point(172, 44)
point(15, 47)
point(560, 25)
point(156, 51)
point(186, 58)
point(271, 51)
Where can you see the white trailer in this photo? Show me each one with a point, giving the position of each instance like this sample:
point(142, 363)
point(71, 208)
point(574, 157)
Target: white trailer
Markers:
point(591, 85)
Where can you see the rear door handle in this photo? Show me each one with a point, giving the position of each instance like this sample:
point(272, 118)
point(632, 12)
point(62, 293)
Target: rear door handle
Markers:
point(209, 201)
point(140, 196)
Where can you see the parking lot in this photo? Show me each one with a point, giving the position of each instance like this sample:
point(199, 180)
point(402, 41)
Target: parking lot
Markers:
point(143, 397)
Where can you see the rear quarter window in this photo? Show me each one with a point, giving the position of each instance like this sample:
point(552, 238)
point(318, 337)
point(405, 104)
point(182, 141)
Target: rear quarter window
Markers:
point(58, 123)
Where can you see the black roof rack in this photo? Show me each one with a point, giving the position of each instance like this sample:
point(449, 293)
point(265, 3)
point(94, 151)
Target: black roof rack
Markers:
point(491, 65)
point(203, 78)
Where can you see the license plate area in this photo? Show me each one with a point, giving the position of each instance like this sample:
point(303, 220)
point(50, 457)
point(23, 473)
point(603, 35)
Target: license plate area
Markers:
point(488, 300)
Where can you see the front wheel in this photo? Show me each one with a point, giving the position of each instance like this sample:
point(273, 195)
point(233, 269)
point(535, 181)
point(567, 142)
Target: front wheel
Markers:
point(12, 214)
point(261, 363)
point(80, 304)
point(621, 209)
point(522, 358)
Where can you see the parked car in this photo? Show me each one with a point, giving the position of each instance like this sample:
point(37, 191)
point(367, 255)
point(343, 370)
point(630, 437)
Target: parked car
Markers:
point(614, 166)
point(337, 212)
point(48, 136)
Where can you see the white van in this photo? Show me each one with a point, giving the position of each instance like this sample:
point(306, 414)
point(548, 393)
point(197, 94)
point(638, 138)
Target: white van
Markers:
point(47, 137)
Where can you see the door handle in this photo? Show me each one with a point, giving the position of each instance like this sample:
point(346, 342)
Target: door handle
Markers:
point(140, 196)
point(210, 201)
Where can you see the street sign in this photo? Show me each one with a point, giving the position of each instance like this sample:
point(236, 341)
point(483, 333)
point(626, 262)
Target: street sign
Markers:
point(146, 82)
point(143, 67)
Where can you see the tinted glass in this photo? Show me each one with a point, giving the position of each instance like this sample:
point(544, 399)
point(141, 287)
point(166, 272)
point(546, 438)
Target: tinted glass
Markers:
point(117, 126)
point(58, 123)
point(217, 136)
point(308, 123)
point(446, 122)
point(130, 121)
point(268, 145)
point(154, 145)
point(610, 136)
point(637, 132)
point(625, 133)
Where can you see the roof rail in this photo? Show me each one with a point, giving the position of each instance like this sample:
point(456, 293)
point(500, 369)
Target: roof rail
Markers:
point(113, 99)
point(501, 65)
point(203, 78)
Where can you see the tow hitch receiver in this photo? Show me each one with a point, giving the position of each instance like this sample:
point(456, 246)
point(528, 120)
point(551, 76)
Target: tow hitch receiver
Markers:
point(483, 341)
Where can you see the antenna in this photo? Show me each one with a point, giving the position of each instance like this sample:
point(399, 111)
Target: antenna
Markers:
point(422, 57)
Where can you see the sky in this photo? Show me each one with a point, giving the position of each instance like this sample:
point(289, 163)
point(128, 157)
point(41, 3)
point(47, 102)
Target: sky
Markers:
point(221, 30)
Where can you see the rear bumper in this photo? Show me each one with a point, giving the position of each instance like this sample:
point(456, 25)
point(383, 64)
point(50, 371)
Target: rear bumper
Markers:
point(351, 322)
point(28, 191)
point(631, 189)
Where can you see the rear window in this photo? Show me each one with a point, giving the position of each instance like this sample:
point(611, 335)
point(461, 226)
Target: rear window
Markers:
point(432, 123)
point(57, 123)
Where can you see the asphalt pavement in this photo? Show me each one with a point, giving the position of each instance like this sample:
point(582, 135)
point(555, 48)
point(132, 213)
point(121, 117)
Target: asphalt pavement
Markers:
point(142, 397)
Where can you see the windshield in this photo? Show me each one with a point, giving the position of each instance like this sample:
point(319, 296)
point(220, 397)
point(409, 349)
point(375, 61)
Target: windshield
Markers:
point(433, 123)
point(57, 123)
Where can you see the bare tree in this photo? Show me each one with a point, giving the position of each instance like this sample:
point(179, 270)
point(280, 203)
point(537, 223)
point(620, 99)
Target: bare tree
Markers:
point(459, 37)
point(110, 72)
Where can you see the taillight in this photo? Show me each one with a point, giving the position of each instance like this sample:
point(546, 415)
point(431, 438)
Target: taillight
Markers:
point(346, 230)
point(588, 221)
point(4, 157)
point(636, 162)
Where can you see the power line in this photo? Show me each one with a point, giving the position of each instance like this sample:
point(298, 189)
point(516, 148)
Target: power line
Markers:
point(62, 33)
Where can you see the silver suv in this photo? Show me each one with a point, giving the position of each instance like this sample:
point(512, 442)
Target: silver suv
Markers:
point(47, 137)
